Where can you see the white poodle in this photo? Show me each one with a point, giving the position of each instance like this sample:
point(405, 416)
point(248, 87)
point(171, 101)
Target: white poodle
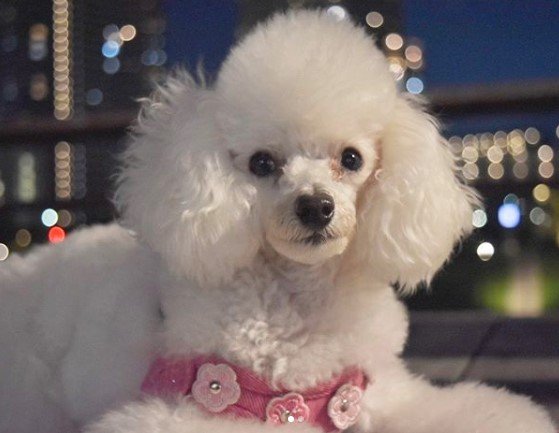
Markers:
point(271, 214)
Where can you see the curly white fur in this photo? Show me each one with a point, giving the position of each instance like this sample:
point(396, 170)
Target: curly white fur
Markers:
point(225, 254)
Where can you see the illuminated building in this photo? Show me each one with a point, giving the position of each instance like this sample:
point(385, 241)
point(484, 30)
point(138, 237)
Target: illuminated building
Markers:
point(74, 56)
point(25, 58)
point(65, 64)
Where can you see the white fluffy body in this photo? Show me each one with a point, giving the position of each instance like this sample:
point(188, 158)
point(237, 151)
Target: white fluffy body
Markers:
point(223, 254)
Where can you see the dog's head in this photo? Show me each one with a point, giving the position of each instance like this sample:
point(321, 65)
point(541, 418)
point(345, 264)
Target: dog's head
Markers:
point(304, 147)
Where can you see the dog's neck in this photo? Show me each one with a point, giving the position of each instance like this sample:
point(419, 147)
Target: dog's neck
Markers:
point(279, 318)
point(298, 277)
point(277, 300)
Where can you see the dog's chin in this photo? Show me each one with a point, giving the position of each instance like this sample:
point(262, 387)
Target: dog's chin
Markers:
point(311, 251)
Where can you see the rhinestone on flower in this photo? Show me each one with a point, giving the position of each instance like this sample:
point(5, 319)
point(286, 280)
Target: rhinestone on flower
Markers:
point(291, 408)
point(345, 405)
point(216, 387)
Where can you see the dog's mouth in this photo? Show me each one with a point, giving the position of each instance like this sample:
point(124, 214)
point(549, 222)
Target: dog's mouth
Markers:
point(316, 238)
point(310, 248)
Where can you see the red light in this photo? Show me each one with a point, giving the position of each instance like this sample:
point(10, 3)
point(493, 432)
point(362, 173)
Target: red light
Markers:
point(56, 235)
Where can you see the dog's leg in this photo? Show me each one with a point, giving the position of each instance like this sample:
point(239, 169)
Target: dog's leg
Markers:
point(398, 402)
point(154, 415)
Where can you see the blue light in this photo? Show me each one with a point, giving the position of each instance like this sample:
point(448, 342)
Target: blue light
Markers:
point(110, 49)
point(149, 57)
point(161, 57)
point(509, 215)
point(511, 198)
point(111, 66)
point(414, 85)
point(94, 97)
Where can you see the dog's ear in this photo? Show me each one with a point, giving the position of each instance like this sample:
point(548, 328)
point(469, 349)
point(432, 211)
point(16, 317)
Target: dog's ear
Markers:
point(416, 209)
point(178, 189)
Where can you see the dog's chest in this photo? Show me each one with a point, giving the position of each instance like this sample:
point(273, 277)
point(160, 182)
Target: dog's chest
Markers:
point(260, 323)
point(264, 325)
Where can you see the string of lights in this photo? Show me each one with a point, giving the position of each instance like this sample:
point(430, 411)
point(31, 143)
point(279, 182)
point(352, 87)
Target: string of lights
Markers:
point(494, 156)
point(62, 57)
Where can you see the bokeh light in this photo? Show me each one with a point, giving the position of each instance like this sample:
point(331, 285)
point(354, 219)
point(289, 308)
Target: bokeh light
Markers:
point(23, 238)
point(110, 49)
point(109, 30)
point(470, 171)
point(65, 218)
point(397, 67)
point(545, 153)
point(546, 170)
point(470, 154)
point(94, 97)
point(374, 19)
point(485, 251)
point(127, 32)
point(394, 41)
point(509, 215)
point(541, 193)
point(49, 217)
point(62, 60)
point(496, 171)
point(532, 135)
point(520, 170)
point(414, 85)
point(413, 54)
point(495, 154)
point(511, 198)
point(111, 65)
point(56, 234)
point(4, 252)
point(479, 218)
point(337, 12)
point(537, 216)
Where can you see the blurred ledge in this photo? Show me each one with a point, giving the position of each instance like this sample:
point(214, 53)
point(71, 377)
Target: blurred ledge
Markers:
point(528, 96)
point(521, 354)
point(40, 127)
point(476, 333)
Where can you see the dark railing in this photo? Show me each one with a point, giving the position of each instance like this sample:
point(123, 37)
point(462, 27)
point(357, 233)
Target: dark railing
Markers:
point(40, 129)
point(530, 97)
point(533, 96)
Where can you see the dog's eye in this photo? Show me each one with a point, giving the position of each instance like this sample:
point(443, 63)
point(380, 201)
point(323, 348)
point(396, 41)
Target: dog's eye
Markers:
point(262, 164)
point(351, 159)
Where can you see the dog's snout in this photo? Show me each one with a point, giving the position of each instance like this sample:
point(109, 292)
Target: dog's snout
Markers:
point(315, 211)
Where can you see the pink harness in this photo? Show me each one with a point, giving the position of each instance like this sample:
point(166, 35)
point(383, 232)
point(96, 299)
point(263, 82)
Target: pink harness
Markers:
point(223, 388)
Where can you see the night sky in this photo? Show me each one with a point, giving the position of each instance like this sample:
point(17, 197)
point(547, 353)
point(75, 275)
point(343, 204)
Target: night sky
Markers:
point(200, 31)
point(469, 42)
point(464, 42)
point(485, 41)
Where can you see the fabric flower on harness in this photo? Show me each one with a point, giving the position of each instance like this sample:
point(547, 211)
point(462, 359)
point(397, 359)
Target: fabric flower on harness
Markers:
point(291, 408)
point(216, 387)
point(345, 405)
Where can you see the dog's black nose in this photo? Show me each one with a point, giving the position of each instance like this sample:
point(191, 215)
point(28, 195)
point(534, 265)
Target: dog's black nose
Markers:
point(315, 211)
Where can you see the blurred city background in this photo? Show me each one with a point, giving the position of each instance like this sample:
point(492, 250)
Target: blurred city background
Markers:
point(71, 71)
